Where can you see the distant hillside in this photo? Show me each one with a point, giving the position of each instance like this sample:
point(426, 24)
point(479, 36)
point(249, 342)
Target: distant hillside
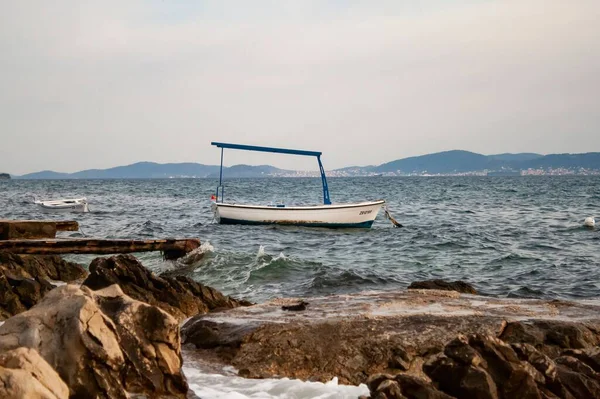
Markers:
point(443, 163)
point(152, 170)
point(525, 156)
point(4, 176)
point(45, 174)
point(589, 160)
point(148, 170)
point(451, 162)
point(239, 171)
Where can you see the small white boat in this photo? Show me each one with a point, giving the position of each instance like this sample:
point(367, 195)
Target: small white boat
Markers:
point(360, 214)
point(64, 205)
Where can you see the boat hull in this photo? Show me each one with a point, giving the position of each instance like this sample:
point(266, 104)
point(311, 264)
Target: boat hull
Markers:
point(359, 215)
point(67, 205)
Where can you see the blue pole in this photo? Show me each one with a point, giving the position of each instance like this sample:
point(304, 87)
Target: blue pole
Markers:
point(326, 199)
point(220, 178)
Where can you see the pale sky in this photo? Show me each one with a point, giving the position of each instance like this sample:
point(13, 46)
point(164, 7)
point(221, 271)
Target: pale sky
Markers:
point(96, 84)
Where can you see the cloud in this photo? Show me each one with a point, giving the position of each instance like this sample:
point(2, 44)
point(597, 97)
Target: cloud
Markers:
point(98, 84)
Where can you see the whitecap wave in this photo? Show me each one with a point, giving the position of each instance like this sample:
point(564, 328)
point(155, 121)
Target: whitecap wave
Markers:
point(197, 254)
point(217, 386)
point(261, 252)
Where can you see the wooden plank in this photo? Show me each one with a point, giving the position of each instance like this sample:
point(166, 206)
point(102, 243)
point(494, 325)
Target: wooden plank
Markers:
point(172, 248)
point(27, 229)
point(67, 225)
point(33, 229)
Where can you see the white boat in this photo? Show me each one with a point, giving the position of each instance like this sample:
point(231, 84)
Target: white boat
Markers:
point(360, 214)
point(351, 215)
point(64, 205)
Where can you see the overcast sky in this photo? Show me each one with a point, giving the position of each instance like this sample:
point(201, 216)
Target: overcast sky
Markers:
point(96, 84)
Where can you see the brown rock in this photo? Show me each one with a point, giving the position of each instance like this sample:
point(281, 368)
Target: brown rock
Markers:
point(356, 336)
point(374, 380)
point(102, 344)
point(400, 358)
point(577, 384)
point(459, 350)
point(179, 296)
point(389, 389)
point(460, 380)
point(418, 388)
point(577, 365)
point(17, 294)
point(43, 266)
point(206, 334)
point(349, 349)
point(459, 286)
point(513, 378)
point(493, 371)
point(591, 357)
point(542, 363)
point(25, 374)
point(552, 336)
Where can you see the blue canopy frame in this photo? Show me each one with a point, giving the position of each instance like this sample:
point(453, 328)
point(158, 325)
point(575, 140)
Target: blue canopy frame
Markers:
point(317, 154)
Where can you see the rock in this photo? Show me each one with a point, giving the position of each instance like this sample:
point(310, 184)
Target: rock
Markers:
point(206, 334)
point(461, 380)
point(374, 380)
point(460, 351)
point(356, 336)
point(541, 362)
point(578, 385)
point(514, 379)
point(591, 357)
point(577, 365)
point(102, 343)
point(18, 294)
point(180, 296)
point(389, 389)
point(459, 286)
point(25, 374)
point(553, 336)
point(400, 358)
point(517, 371)
point(51, 267)
point(418, 388)
point(351, 349)
point(296, 307)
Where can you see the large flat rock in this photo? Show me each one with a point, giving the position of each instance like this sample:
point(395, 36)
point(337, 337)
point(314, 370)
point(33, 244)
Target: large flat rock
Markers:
point(354, 336)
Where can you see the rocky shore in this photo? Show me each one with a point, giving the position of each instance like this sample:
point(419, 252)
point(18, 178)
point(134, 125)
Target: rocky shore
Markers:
point(114, 332)
point(92, 339)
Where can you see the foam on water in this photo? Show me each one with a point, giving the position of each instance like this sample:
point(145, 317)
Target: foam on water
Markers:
point(217, 386)
point(206, 247)
point(261, 252)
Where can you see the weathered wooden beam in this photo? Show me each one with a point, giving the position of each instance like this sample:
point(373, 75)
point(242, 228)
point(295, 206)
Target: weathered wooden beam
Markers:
point(172, 248)
point(17, 229)
point(67, 225)
point(33, 229)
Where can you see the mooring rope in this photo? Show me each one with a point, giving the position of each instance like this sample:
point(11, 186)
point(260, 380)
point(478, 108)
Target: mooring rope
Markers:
point(82, 232)
point(389, 216)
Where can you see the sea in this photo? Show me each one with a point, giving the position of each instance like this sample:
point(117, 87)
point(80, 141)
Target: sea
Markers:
point(508, 236)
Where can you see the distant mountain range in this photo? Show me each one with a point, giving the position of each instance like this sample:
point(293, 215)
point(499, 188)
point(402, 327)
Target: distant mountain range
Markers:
point(152, 170)
point(442, 163)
